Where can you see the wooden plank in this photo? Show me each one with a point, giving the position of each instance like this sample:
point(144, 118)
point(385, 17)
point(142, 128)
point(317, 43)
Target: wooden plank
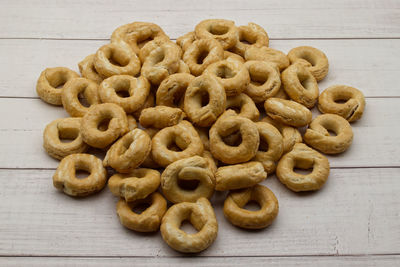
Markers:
point(367, 261)
point(376, 74)
point(282, 19)
point(376, 137)
point(357, 212)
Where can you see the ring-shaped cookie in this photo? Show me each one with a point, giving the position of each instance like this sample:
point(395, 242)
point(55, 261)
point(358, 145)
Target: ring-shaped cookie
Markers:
point(64, 179)
point(317, 135)
point(71, 94)
point(267, 54)
point(205, 100)
point(229, 56)
point(312, 58)
point(183, 68)
point(137, 34)
point(189, 170)
point(248, 219)
point(232, 75)
point(137, 184)
point(135, 91)
point(148, 103)
point(303, 157)
point(129, 151)
point(252, 35)
point(146, 50)
point(160, 117)
point(201, 53)
point(68, 128)
point(244, 106)
point(186, 40)
point(98, 114)
point(222, 30)
point(300, 85)
point(239, 176)
point(51, 82)
point(288, 112)
point(271, 146)
point(88, 71)
point(265, 80)
point(147, 221)
point(184, 136)
point(172, 90)
point(229, 123)
point(116, 59)
point(353, 107)
point(201, 215)
point(290, 135)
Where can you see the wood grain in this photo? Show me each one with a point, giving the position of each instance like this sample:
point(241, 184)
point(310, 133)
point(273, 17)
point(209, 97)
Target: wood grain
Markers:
point(282, 19)
point(370, 65)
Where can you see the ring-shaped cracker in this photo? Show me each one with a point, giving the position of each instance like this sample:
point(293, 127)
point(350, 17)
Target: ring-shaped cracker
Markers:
point(160, 117)
point(147, 221)
point(288, 112)
point(88, 71)
point(268, 54)
point(96, 115)
point(244, 106)
point(186, 40)
point(201, 215)
point(172, 90)
point(312, 58)
point(182, 135)
point(64, 179)
point(68, 128)
point(236, 200)
point(51, 82)
point(137, 184)
point(252, 35)
point(353, 107)
point(229, 56)
point(222, 30)
point(303, 157)
point(317, 135)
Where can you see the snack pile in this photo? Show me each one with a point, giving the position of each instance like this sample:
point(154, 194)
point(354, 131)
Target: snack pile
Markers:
point(185, 117)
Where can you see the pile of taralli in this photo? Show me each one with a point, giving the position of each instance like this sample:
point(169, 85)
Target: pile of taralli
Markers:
point(198, 103)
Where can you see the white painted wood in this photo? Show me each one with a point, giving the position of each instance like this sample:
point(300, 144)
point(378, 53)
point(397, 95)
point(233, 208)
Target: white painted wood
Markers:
point(370, 65)
point(331, 261)
point(357, 212)
point(282, 19)
point(376, 136)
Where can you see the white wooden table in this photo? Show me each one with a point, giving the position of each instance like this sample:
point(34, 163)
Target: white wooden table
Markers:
point(354, 219)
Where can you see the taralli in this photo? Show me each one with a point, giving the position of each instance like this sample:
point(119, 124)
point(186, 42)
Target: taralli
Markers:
point(134, 91)
point(129, 151)
point(186, 40)
point(290, 135)
point(201, 215)
point(149, 162)
point(300, 85)
point(228, 124)
point(303, 157)
point(281, 93)
point(229, 56)
point(353, 107)
point(244, 106)
point(172, 90)
point(51, 82)
point(148, 103)
point(116, 59)
point(184, 136)
point(267, 54)
point(312, 58)
point(71, 93)
point(146, 50)
point(222, 30)
point(318, 137)
point(137, 34)
point(211, 162)
point(271, 146)
point(288, 112)
point(252, 35)
point(98, 114)
point(205, 100)
point(232, 75)
point(64, 179)
point(201, 53)
point(147, 221)
point(235, 213)
point(187, 170)
point(88, 71)
point(203, 134)
point(265, 80)
point(183, 68)
point(132, 124)
point(65, 128)
point(161, 117)
point(239, 176)
point(161, 62)
point(137, 184)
